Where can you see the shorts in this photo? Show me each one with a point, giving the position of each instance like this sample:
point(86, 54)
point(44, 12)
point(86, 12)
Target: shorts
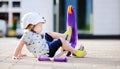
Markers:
point(54, 45)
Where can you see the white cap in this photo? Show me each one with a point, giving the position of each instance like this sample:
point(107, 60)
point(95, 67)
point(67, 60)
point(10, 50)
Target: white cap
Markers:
point(31, 18)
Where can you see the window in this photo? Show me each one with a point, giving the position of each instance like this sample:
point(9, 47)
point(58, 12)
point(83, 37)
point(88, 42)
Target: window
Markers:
point(3, 4)
point(4, 16)
point(16, 4)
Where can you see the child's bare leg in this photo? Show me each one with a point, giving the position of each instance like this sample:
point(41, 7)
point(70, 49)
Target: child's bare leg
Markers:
point(66, 35)
point(56, 35)
point(67, 47)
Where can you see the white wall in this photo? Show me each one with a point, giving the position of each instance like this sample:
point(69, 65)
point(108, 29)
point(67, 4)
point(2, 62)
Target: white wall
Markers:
point(106, 15)
point(44, 7)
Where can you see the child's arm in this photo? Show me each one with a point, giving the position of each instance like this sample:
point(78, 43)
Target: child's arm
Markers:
point(19, 49)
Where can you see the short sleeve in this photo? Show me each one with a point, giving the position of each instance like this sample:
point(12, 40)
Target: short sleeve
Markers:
point(27, 37)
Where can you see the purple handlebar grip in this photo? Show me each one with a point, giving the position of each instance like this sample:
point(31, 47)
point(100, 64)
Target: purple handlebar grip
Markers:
point(52, 59)
point(44, 59)
point(60, 59)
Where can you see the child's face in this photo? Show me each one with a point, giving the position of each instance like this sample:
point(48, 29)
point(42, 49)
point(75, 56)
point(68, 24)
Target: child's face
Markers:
point(38, 27)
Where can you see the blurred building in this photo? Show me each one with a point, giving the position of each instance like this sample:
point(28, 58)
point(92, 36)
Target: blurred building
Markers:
point(11, 11)
point(95, 18)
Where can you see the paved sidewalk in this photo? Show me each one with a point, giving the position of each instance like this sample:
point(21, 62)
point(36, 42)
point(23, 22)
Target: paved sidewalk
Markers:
point(101, 54)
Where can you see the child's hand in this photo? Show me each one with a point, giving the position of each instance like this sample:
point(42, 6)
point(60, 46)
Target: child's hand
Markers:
point(16, 57)
point(22, 55)
point(19, 57)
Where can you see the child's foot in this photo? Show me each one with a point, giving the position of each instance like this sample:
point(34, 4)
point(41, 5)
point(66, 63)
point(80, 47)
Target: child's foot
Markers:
point(80, 53)
point(68, 34)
